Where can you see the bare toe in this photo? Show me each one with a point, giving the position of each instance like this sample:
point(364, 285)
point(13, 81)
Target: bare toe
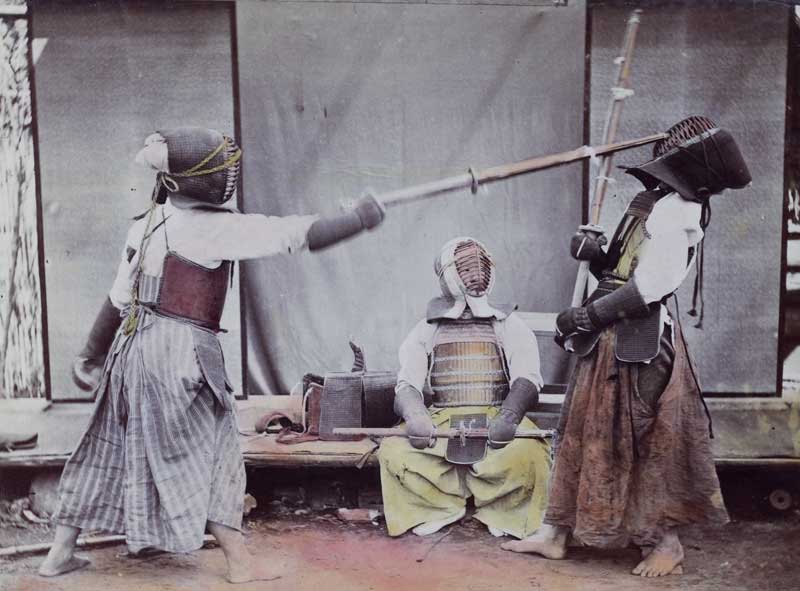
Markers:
point(254, 573)
point(663, 559)
point(62, 568)
point(249, 579)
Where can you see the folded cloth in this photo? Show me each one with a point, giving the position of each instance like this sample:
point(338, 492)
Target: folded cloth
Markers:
point(14, 441)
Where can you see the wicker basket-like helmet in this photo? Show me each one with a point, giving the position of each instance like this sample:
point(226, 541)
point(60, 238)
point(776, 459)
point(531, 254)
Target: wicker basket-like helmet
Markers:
point(697, 159)
point(204, 165)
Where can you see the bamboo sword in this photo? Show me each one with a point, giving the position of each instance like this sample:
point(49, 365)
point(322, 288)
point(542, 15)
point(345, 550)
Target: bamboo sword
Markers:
point(474, 178)
point(448, 433)
point(619, 93)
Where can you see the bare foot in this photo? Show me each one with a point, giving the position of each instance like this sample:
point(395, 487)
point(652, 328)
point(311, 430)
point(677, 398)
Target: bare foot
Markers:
point(664, 559)
point(548, 541)
point(245, 573)
point(53, 566)
point(243, 567)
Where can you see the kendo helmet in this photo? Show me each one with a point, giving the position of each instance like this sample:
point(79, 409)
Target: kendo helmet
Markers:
point(464, 268)
point(697, 159)
point(201, 165)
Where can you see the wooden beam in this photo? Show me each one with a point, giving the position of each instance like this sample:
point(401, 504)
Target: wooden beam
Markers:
point(10, 460)
point(13, 10)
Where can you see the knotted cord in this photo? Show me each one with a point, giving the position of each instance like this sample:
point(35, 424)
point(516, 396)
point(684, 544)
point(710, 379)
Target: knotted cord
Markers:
point(131, 320)
point(167, 179)
point(697, 291)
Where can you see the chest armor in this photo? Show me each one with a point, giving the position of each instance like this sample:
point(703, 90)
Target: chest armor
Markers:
point(637, 339)
point(468, 367)
point(629, 238)
point(187, 291)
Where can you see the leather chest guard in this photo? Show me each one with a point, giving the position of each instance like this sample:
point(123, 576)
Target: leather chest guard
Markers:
point(468, 367)
point(192, 292)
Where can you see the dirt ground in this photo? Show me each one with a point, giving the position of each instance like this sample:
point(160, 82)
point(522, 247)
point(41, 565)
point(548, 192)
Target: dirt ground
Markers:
point(321, 553)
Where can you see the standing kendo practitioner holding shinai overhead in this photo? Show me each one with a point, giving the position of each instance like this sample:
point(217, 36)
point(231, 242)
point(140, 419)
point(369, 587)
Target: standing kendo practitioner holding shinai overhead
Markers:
point(160, 460)
point(480, 363)
point(633, 459)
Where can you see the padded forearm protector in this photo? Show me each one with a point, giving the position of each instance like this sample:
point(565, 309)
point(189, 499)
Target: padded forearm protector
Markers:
point(408, 402)
point(367, 214)
point(623, 302)
point(583, 247)
point(102, 333)
point(521, 398)
point(328, 231)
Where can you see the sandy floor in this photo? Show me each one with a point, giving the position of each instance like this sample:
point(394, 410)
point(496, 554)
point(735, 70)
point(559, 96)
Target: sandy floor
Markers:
point(321, 553)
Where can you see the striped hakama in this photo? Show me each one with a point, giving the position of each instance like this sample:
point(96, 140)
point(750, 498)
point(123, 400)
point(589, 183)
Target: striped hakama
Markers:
point(161, 454)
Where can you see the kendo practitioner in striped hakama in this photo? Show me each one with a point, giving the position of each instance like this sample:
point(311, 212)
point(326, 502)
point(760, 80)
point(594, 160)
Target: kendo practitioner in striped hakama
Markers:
point(633, 455)
point(160, 459)
point(480, 365)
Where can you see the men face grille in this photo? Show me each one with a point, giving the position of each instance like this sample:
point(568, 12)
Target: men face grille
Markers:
point(232, 172)
point(682, 132)
point(474, 266)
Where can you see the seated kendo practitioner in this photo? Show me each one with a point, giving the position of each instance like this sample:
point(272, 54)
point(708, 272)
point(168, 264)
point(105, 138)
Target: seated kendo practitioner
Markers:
point(480, 365)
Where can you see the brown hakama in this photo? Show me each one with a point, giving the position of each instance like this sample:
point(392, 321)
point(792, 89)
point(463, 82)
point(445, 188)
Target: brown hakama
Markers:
point(628, 464)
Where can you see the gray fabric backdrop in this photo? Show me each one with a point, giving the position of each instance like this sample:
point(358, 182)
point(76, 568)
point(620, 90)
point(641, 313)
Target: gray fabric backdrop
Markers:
point(727, 63)
point(337, 97)
point(109, 75)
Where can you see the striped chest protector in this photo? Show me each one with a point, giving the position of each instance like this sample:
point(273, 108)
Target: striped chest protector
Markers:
point(468, 367)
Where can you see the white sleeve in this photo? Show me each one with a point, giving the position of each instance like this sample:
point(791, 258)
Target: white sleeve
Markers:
point(522, 351)
point(237, 236)
point(663, 262)
point(120, 294)
point(414, 357)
